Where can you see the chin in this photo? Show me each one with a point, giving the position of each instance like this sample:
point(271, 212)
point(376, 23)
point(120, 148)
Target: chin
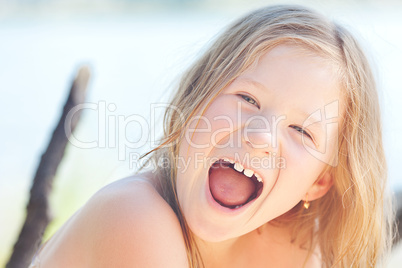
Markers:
point(212, 233)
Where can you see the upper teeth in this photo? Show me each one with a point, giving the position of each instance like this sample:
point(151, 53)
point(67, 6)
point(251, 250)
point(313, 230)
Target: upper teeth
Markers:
point(239, 167)
point(248, 172)
point(228, 160)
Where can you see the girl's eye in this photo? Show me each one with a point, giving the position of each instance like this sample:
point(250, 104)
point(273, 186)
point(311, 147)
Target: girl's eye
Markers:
point(250, 100)
point(302, 131)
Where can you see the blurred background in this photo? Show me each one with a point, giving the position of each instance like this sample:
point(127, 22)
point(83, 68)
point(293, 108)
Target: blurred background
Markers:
point(136, 51)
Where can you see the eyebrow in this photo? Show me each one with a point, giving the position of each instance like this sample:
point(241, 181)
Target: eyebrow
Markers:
point(252, 82)
point(316, 122)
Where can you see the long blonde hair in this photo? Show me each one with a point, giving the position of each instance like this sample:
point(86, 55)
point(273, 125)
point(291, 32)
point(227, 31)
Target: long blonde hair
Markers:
point(354, 216)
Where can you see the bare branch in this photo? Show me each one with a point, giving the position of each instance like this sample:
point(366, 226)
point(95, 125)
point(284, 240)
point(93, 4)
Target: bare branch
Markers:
point(38, 217)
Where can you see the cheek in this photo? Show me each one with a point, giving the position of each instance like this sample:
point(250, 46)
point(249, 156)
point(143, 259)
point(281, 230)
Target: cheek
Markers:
point(332, 144)
point(327, 151)
point(216, 125)
point(301, 167)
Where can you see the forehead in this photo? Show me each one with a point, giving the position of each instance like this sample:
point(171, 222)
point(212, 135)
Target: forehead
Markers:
point(295, 77)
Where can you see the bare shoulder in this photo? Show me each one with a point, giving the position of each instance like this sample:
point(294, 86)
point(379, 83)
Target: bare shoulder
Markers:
point(126, 224)
point(134, 225)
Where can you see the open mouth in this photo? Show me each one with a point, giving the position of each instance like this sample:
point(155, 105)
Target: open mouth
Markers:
point(232, 185)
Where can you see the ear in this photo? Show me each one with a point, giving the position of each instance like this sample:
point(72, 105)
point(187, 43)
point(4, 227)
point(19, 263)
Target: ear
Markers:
point(320, 187)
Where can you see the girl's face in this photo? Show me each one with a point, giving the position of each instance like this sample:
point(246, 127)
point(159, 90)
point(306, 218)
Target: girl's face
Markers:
point(261, 145)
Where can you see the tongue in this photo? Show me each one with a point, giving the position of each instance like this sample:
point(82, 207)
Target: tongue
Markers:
point(229, 187)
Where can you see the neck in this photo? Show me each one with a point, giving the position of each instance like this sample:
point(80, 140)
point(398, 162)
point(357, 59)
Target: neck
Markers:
point(216, 254)
point(266, 244)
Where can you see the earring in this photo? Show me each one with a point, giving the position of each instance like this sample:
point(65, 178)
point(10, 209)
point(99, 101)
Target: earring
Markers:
point(306, 202)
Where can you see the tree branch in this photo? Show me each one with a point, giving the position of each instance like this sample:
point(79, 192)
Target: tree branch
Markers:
point(38, 217)
point(398, 217)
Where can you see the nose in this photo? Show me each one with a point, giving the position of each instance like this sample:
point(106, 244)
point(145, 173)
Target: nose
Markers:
point(259, 136)
point(259, 141)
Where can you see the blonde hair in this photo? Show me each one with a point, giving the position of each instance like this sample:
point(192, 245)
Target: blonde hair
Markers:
point(354, 219)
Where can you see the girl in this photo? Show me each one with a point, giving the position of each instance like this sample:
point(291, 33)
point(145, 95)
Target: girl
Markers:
point(271, 157)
